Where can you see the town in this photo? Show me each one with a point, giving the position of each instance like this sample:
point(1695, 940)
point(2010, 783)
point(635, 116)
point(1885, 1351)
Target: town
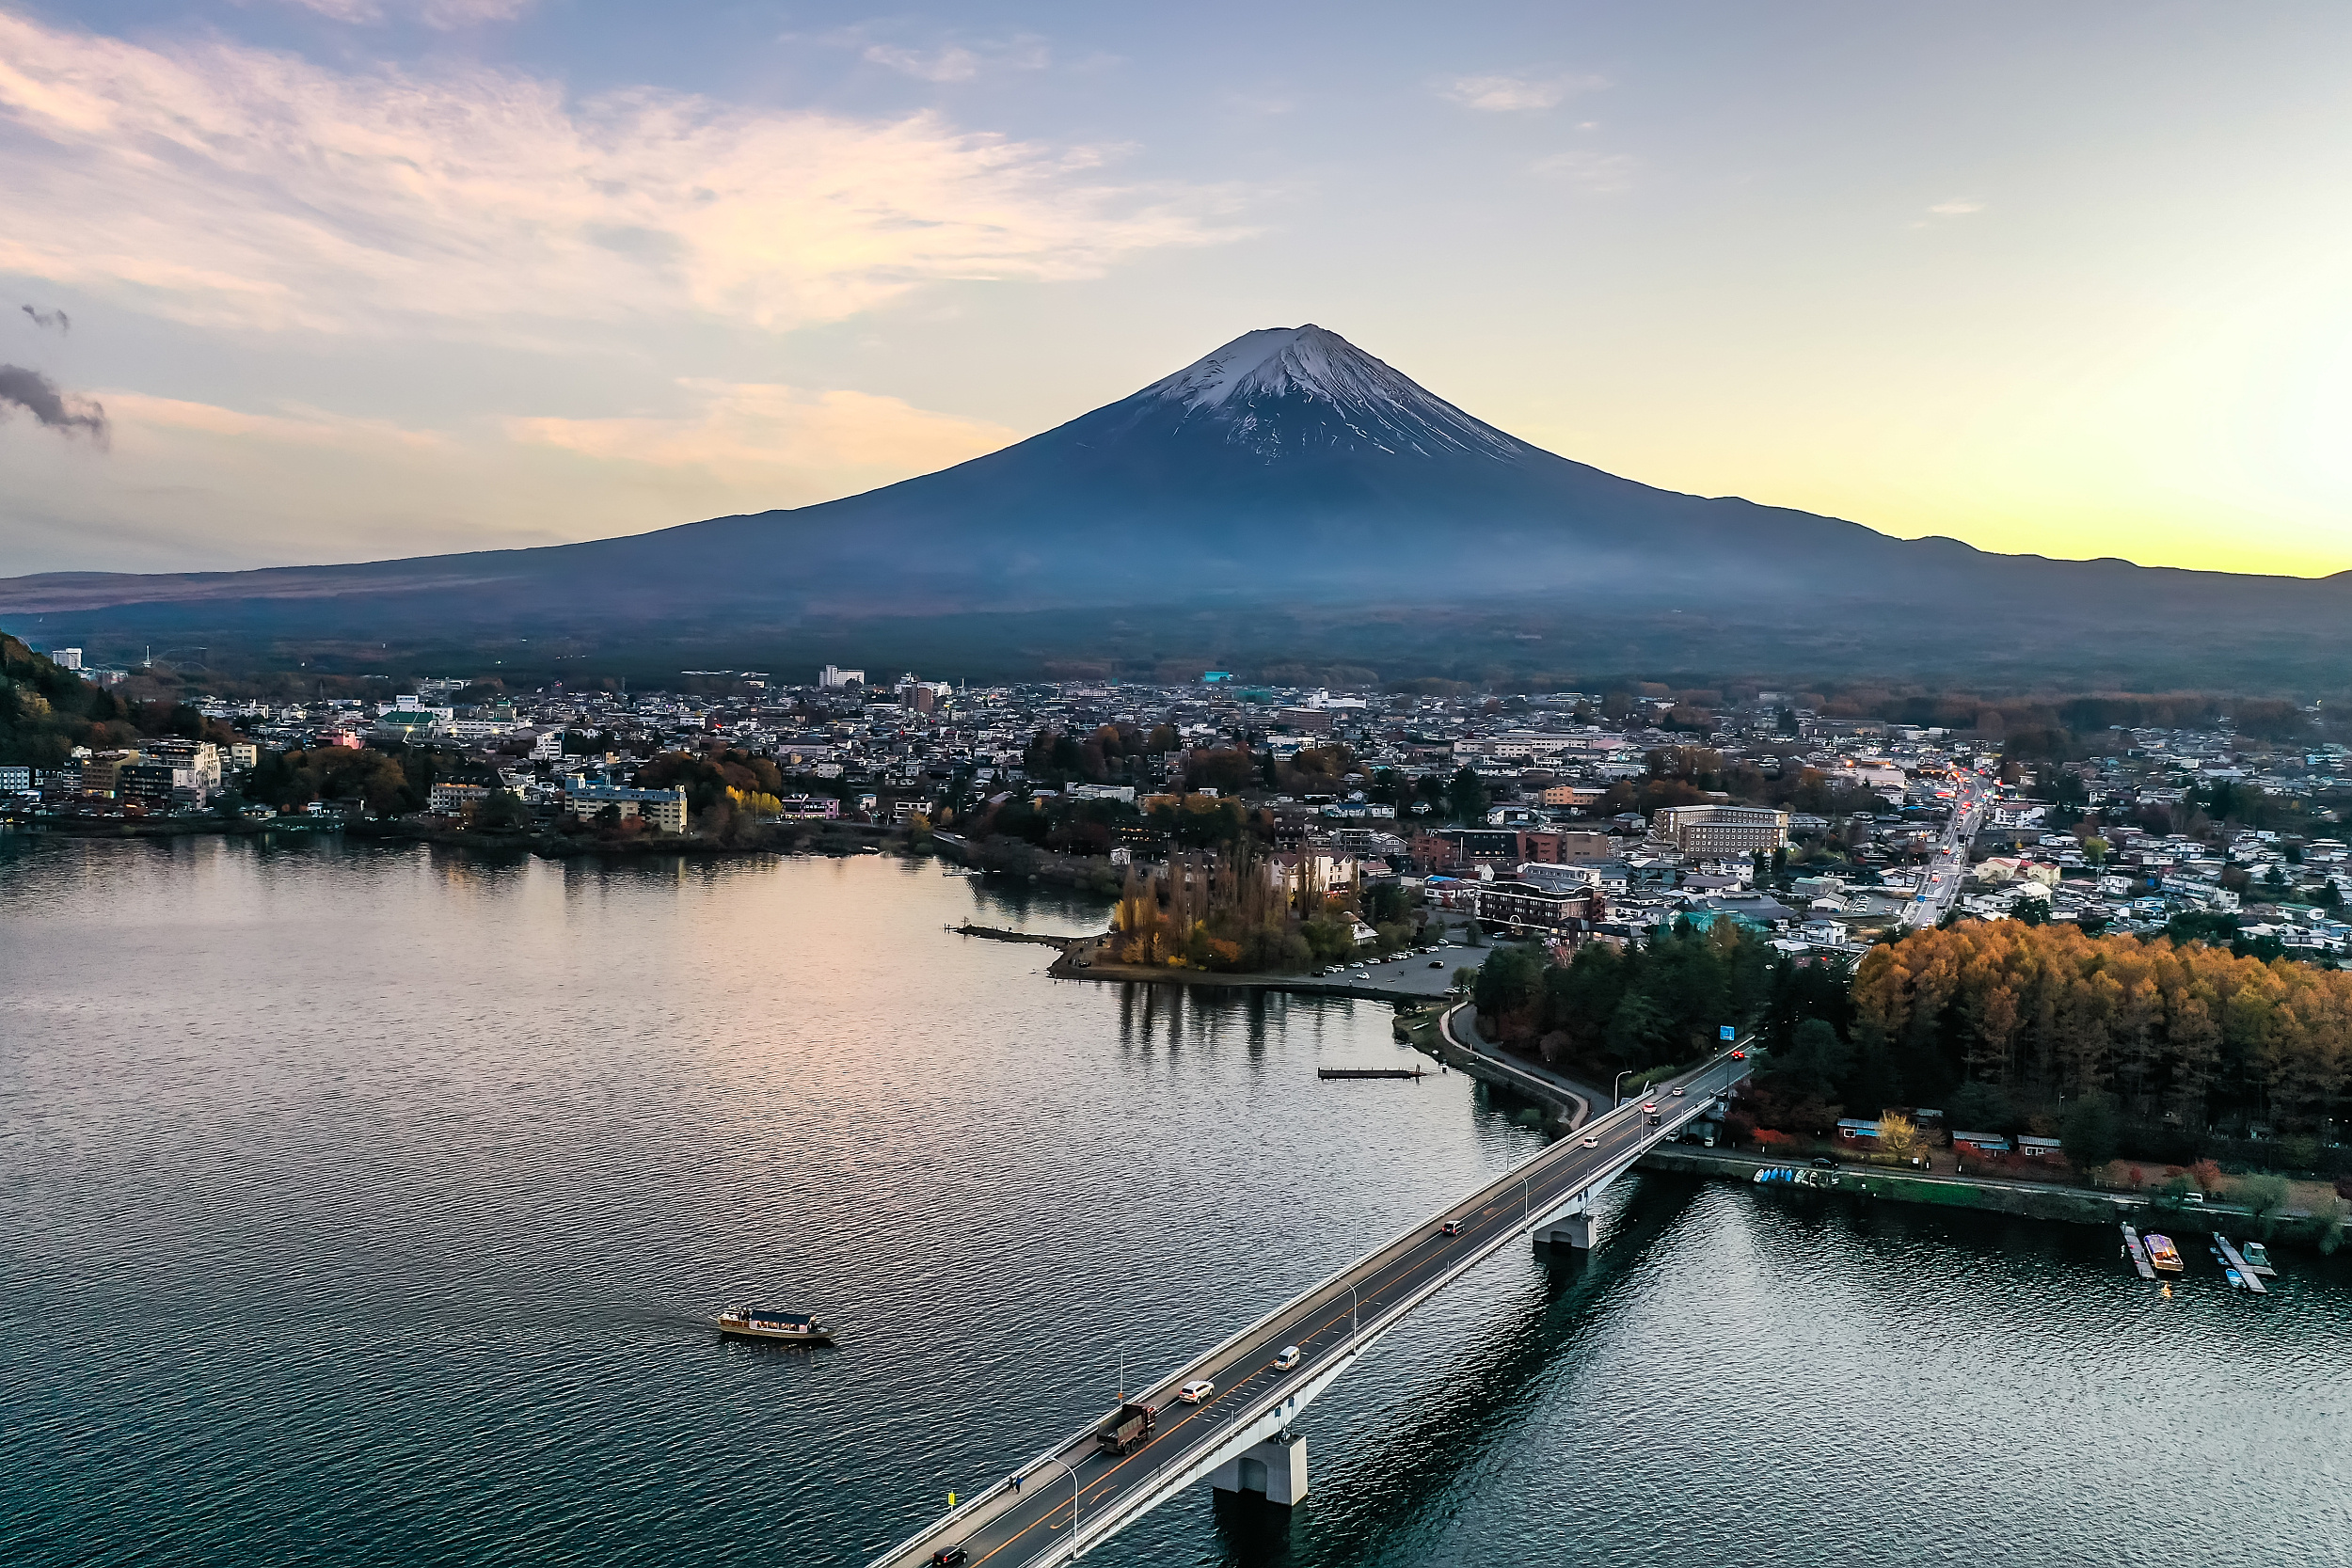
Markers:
point(1812, 822)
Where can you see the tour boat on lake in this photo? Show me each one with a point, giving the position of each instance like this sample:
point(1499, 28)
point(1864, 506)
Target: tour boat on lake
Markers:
point(2162, 1255)
point(763, 1323)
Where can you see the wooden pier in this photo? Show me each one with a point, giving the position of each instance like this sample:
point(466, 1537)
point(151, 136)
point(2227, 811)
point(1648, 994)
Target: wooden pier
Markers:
point(1370, 1072)
point(2229, 1255)
point(2140, 1253)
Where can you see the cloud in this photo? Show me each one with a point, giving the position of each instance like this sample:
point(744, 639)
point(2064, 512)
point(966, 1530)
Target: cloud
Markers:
point(751, 432)
point(1509, 94)
point(1590, 171)
point(60, 411)
point(248, 189)
point(442, 14)
point(296, 426)
point(1957, 207)
point(181, 489)
point(956, 63)
point(47, 319)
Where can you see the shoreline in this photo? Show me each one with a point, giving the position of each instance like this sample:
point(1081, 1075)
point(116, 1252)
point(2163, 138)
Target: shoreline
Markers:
point(2024, 1200)
point(1078, 962)
point(831, 837)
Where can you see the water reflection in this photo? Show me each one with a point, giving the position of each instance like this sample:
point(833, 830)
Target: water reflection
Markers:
point(462, 1103)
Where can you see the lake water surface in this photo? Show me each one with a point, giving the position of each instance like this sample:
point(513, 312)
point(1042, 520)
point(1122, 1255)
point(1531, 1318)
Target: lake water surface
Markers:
point(368, 1205)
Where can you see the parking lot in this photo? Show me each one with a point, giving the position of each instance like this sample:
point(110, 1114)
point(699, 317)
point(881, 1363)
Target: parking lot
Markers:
point(1422, 973)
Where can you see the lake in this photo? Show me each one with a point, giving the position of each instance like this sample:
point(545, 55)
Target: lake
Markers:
point(367, 1205)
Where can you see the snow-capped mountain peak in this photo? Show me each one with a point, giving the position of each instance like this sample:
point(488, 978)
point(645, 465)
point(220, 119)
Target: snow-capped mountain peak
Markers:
point(1295, 388)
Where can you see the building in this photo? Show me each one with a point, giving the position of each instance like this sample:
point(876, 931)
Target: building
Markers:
point(201, 758)
point(66, 659)
point(664, 808)
point(1451, 848)
point(1310, 720)
point(1758, 912)
point(102, 775)
point(830, 676)
point(1601, 876)
point(1309, 872)
point(413, 723)
point(156, 783)
point(455, 799)
point(1561, 848)
point(811, 808)
point(1720, 829)
point(1525, 906)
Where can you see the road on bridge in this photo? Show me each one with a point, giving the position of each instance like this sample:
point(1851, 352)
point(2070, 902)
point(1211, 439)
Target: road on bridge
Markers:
point(1073, 1485)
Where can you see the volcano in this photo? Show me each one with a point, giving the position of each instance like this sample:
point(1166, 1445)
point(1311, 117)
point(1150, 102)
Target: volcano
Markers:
point(1288, 470)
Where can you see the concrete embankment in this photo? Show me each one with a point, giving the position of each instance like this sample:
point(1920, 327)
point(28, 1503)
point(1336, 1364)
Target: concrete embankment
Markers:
point(2069, 1205)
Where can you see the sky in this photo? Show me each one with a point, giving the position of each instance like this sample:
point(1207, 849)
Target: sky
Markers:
point(307, 281)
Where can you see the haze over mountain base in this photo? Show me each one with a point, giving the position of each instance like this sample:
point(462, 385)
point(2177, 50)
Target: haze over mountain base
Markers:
point(1288, 498)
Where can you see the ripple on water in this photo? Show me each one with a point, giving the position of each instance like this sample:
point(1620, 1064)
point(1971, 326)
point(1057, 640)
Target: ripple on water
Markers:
point(361, 1206)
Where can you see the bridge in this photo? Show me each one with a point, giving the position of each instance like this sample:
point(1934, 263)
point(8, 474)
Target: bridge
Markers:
point(1055, 1507)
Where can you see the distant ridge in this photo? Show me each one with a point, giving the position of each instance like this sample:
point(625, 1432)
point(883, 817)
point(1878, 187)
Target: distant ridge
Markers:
point(1287, 470)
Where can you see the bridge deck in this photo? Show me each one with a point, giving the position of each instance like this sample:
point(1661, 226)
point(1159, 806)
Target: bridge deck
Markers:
point(1071, 1498)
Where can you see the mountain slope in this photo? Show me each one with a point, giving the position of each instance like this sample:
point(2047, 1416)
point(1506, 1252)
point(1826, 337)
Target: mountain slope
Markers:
point(1286, 469)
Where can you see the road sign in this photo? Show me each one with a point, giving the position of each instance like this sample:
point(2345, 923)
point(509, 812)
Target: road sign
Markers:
point(1726, 1033)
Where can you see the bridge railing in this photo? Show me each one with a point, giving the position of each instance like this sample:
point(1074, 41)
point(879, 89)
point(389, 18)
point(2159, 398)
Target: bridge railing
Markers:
point(984, 1506)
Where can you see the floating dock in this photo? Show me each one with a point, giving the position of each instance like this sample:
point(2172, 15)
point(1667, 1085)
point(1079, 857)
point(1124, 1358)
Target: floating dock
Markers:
point(2229, 1255)
point(1370, 1072)
point(2140, 1253)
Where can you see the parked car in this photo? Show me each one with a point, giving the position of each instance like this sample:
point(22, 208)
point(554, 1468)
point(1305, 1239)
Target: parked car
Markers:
point(1436, 963)
point(1822, 1161)
point(1197, 1390)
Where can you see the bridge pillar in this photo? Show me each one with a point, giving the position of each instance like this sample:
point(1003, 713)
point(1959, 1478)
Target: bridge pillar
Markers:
point(1276, 1470)
point(1569, 1231)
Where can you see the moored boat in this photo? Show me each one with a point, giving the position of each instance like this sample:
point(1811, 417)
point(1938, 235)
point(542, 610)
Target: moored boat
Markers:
point(2162, 1255)
point(763, 1323)
point(2257, 1259)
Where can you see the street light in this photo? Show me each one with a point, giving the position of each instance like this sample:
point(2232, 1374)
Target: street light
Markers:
point(1074, 1489)
point(1617, 1100)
